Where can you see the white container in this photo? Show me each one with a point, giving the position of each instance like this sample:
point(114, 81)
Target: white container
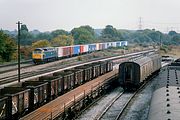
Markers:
point(97, 46)
point(59, 51)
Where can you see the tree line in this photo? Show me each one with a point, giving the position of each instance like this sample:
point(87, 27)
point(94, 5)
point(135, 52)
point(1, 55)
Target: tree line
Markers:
point(80, 35)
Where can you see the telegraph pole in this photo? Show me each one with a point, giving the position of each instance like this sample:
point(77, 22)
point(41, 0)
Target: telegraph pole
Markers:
point(19, 27)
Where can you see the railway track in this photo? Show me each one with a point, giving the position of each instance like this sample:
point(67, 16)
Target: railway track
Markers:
point(118, 105)
point(5, 81)
point(14, 67)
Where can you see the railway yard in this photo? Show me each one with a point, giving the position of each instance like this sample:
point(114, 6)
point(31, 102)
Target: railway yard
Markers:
point(90, 88)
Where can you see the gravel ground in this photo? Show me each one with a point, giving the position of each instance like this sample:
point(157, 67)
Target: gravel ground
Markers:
point(137, 110)
point(139, 107)
point(117, 106)
point(95, 110)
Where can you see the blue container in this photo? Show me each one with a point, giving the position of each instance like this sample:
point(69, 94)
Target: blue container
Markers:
point(76, 50)
point(91, 47)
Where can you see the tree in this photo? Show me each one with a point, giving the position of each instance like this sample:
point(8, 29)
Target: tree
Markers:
point(41, 43)
point(26, 52)
point(62, 40)
point(24, 28)
point(111, 34)
point(55, 33)
point(172, 33)
point(42, 36)
point(176, 39)
point(83, 35)
point(7, 46)
point(26, 36)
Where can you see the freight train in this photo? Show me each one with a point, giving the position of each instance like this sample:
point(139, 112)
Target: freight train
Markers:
point(43, 55)
point(165, 103)
point(133, 73)
point(22, 98)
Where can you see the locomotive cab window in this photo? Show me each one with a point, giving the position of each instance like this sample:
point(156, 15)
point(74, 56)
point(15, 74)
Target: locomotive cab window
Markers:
point(37, 51)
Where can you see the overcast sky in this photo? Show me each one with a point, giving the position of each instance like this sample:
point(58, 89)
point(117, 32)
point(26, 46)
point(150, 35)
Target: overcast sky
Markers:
point(48, 15)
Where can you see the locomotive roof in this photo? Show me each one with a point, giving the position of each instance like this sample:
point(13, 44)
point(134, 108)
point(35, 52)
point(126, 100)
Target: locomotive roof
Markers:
point(45, 48)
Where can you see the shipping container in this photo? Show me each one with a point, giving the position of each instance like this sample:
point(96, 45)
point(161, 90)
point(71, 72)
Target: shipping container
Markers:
point(76, 49)
point(38, 94)
point(65, 51)
point(54, 85)
point(100, 46)
point(108, 44)
point(124, 43)
point(91, 47)
point(60, 51)
point(18, 101)
point(97, 46)
point(113, 44)
point(86, 49)
point(82, 49)
point(118, 44)
point(105, 46)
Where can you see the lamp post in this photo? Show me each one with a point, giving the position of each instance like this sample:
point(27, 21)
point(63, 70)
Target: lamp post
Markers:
point(19, 25)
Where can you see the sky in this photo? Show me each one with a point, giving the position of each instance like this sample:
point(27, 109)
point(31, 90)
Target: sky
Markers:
point(48, 15)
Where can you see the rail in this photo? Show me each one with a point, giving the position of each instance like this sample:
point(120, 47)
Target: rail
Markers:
point(32, 75)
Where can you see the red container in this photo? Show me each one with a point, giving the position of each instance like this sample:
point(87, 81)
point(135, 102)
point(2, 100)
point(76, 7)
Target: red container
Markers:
point(71, 50)
point(67, 51)
point(82, 49)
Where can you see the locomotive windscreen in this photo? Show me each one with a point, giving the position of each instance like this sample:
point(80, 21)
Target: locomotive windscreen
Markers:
point(37, 51)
